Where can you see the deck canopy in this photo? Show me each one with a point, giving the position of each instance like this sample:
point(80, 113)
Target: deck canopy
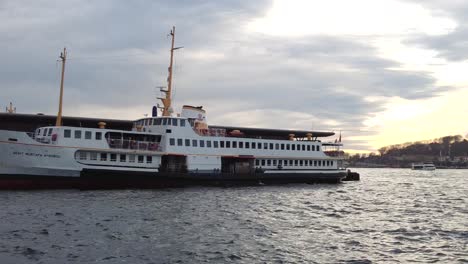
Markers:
point(269, 133)
point(29, 122)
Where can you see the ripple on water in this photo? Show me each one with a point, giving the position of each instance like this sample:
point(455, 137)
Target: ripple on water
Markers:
point(389, 216)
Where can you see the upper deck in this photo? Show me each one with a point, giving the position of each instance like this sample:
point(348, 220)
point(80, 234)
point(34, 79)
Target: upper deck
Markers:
point(161, 124)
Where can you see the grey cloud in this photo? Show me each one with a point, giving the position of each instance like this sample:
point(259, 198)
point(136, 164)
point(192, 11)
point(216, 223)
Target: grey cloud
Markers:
point(119, 53)
point(452, 46)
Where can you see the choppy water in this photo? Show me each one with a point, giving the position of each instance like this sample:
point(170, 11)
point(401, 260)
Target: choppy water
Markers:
point(390, 216)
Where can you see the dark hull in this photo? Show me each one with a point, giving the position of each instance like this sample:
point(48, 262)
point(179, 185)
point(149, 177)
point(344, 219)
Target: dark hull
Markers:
point(108, 179)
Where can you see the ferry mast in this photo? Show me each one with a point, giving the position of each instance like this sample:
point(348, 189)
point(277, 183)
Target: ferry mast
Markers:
point(167, 100)
point(63, 57)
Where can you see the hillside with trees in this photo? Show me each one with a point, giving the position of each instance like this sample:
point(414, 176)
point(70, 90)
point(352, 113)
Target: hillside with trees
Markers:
point(449, 151)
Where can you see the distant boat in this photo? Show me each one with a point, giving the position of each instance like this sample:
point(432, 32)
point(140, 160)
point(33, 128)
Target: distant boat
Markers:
point(423, 166)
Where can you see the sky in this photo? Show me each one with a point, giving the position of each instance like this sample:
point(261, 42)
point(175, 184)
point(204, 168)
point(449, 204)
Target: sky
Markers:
point(381, 72)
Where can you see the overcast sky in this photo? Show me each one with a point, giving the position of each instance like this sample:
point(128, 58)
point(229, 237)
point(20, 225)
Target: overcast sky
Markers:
point(383, 72)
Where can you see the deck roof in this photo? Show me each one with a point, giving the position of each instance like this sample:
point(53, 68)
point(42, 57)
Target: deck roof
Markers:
point(29, 122)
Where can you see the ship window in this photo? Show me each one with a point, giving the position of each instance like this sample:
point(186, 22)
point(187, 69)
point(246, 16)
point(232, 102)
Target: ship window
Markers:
point(194, 142)
point(38, 131)
point(157, 122)
point(287, 147)
point(141, 159)
point(276, 146)
point(228, 144)
point(259, 145)
point(87, 135)
point(131, 158)
point(164, 121)
point(253, 145)
point(319, 163)
point(93, 156)
point(274, 162)
point(113, 157)
point(67, 133)
point(308, 147)
point(263, 162)
point(208, 143)
point(98, 135)
point(271, 145)
point(293, 146)
point(82, 155)
point(149, 159)
point(215, 144)
point(247, 145)
point(298, 147)
point(45, 132)
point(265, 145)
point(234, 144)
point(290, 162)
point(103, 156)
point(315, 163)
point(268, 162)
point(295, 162)
point(301, 163)
point(282, 146)
point(285, 162)
point(318, 148)
point(257, 162)
point(328, 163)
point(221, 144)
point(202, 143)
point(172, 141)
point(182, 122)
point(174, 122)
point(179, 142)
point(280, 162)
point(331, 163)
point(313, 148)
point(50, 132)
point(123, 158)
point(77, 133)
point(187, 142)
point(241, 144)
point(303, 147)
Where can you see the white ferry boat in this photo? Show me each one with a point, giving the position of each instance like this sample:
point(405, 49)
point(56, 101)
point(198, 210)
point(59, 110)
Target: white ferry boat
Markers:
point(167, 150)
point(423, 166)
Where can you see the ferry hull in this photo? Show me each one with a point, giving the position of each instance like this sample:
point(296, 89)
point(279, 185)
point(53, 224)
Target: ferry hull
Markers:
point(109, 179)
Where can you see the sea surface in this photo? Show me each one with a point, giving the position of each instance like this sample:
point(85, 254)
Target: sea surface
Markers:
point(390, 216)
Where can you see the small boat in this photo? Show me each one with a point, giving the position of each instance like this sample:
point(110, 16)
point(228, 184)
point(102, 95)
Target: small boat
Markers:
point(423, 166)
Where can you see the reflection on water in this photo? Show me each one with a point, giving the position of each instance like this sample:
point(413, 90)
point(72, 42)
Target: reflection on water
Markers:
point(391, 215)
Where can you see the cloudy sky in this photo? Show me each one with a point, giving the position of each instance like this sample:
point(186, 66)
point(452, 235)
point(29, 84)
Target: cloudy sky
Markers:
point(383, 72)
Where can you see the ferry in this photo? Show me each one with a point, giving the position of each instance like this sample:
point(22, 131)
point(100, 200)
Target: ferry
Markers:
point(423, 166)
point(165, 150)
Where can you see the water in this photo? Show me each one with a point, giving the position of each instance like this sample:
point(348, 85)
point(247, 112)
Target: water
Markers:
point(390, 216)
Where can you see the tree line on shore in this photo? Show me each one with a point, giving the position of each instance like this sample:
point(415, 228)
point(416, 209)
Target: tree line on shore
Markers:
point(448, 151)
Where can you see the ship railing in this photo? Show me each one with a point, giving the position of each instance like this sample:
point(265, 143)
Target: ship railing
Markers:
point(133, 145)
point(334, 153)
point(43, 140)
point(211, 132)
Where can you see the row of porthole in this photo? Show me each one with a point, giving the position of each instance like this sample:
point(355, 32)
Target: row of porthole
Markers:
point(113, 157)
point(296, 163)
point(241, 145)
